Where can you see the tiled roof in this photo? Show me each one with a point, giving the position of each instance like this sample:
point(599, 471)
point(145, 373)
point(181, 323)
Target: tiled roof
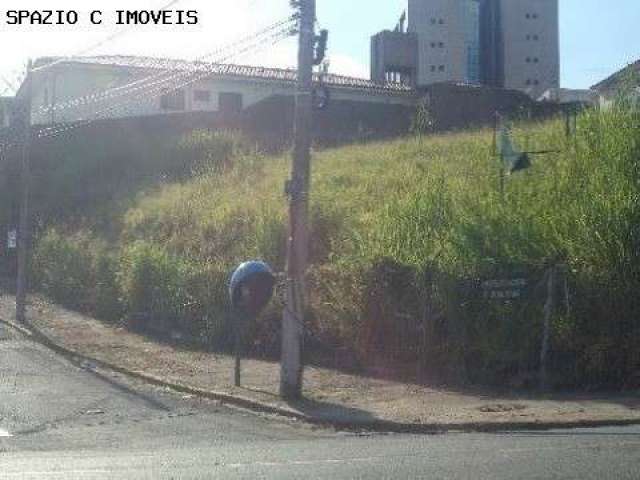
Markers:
point(229, 70)
point(614, 79)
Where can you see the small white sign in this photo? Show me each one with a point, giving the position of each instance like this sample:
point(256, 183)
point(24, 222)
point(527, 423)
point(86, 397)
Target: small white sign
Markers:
point(12, 239)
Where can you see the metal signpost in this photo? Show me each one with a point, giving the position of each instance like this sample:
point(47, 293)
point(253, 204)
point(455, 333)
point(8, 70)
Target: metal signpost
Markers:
point(250, 290)
point(520, 289)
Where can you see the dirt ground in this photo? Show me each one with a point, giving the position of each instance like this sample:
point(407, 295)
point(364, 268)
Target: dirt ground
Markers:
point(329, 394)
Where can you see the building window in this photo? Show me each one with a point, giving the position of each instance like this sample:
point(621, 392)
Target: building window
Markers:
point(441, 68)
point(441, 44)
point(441, 21)
point(535, 37)
point(174, 100)
point(433, 68)
point(230, 102)
point(528, 59)
point(433, 21)
point(203, 96)
point(536, 82)
point(536, 59)
point(433, 44)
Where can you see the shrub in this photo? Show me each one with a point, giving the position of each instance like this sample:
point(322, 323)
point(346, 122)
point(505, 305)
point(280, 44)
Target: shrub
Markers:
point(77, 271)
point(206, 313)
point(153, 284)
point(62, 266)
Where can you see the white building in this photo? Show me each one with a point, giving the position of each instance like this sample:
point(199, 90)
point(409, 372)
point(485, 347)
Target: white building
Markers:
point(625, 82)
point(102, 87)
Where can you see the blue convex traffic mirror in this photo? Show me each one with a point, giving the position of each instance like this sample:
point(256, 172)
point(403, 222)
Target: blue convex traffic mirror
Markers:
point(251, 287)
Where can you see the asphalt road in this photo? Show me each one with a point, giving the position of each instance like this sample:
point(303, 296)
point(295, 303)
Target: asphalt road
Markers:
point(66, 421)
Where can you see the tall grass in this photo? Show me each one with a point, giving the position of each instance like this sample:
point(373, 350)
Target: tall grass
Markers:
point(396, 222)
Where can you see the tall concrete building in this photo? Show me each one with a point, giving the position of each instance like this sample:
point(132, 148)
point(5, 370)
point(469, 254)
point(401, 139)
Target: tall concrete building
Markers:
point(448, 39)
point(503, 43)
point(529, 49)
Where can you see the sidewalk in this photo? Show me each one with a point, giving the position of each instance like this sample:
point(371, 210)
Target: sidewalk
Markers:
point(331, 397)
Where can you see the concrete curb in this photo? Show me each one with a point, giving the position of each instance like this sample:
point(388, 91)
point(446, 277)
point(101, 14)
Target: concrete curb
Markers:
point(17, 327)
point(385, 426)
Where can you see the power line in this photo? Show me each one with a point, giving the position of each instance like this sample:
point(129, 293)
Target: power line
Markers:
point(184, 78)
point(141, 83)
point(161, 86)
point(156, 78)
point(9, 85)
point(260, 41)
point(99, 44)
point(125, 107)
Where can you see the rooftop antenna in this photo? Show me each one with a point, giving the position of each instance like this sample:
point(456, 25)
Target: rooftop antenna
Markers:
point(401, 23)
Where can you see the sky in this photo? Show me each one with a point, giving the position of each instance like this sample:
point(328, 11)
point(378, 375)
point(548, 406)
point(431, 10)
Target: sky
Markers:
point(597, 37)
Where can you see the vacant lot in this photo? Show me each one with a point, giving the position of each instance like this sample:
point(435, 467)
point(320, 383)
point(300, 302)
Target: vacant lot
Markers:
point(397, 228)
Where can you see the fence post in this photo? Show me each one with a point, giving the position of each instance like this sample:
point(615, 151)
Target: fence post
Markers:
point(548, 312)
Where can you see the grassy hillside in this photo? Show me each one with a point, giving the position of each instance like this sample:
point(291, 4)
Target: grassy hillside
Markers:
point(397, 228)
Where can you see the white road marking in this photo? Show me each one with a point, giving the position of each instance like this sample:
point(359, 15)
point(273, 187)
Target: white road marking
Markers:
point(4, 433)
point(61, 473)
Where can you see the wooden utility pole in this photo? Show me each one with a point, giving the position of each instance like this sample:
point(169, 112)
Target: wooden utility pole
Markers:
point(23, 225)
point(298, 190)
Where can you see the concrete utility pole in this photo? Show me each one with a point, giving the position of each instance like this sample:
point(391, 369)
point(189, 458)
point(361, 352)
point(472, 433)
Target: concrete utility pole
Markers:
point(298, 189)
point(23, 225)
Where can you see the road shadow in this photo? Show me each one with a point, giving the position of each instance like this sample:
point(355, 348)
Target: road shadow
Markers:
point(322, 410)
point(630, 400)
point(149, 400)
point(331, 412)
point(574, 433)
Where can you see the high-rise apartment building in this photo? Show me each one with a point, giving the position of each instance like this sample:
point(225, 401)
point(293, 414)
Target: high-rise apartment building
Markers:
point(448, 34)
point(503, 43)
point(529, 49)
